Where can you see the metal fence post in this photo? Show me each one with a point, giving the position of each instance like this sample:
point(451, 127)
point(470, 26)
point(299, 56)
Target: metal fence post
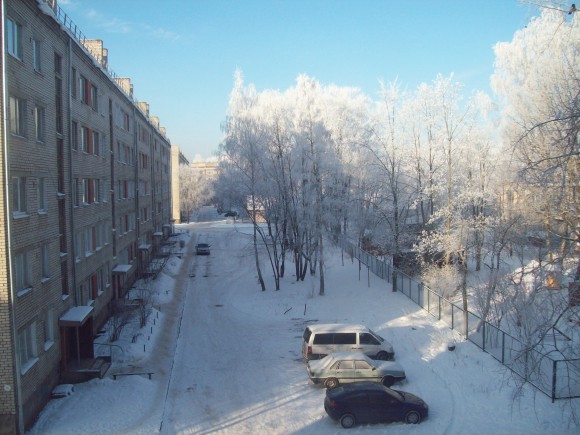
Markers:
point(554, 371)
point(452, 317)
point(503, 347)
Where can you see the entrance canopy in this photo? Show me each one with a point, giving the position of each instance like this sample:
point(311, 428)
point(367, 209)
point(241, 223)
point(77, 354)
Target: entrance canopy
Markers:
point(76, 316)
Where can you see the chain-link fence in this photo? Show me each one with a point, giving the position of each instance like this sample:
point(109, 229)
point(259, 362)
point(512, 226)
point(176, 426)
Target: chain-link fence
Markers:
point(557, 377)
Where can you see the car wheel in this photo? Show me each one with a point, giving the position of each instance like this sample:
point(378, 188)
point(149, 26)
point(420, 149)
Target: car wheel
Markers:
point(347, 421)
point(383, 356)
point(388, 381)
point(412, 417)
point(331, 383)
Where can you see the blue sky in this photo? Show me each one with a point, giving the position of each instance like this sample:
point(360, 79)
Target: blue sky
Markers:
point(181, 54)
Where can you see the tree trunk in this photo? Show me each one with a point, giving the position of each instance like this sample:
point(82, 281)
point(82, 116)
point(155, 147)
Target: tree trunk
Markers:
point(321, 267)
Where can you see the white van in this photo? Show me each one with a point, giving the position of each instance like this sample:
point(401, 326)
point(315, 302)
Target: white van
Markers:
point(322, 340)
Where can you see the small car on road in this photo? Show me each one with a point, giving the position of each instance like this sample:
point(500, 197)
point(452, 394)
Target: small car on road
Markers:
point(344, 367)
point(202, 249)
point(369, 402)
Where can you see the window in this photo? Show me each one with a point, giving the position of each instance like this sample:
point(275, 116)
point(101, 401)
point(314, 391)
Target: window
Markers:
point(58, 104)
point(94, 98)
point(22, 276)
point(78, 246)
point(362, 365)
point(107, 275)
point(98, 236)
point(75, 192)
point(44, 261)
point(96, 190)
point(94, 286)
point(358, 398)
point(27, 346)
point(74, 135)
point(345, 338)
point(39, 123)
point(346, 365)
point(89, 246)
point(41, 191)
point(106, 233)
point(14, 38)
point(57, 64)
point(73, 89)
point(366, 338)
point(144, 214)
point(19, 195)
point(126, 121)
point(85, 139)
point(17, 116)
point(48, 329)
point(101, 280)
point(95, 143)
point(380, 398)
point(85, 191)
point(84, 90)
point(64, 278)
point(323, 338)
point(36, 55)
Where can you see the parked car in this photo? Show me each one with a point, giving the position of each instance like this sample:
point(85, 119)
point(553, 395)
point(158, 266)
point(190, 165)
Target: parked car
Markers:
point(344, 367)
point(202, 249)
point(323, 339)
point(231, 214)
point(369, 402)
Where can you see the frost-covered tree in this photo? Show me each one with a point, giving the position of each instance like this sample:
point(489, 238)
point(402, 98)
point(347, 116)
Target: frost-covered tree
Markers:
point(537, 80)
point(243, 148)
point(537, 76)
point(391, 158)
point(195, 189)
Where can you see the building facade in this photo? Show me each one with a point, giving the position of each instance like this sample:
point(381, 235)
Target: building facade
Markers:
point(86, 201)
point(177, 160)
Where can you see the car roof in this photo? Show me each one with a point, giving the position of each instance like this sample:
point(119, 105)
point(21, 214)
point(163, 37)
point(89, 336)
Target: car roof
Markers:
point(336, 327)
point(349, 355)
point(354, 387)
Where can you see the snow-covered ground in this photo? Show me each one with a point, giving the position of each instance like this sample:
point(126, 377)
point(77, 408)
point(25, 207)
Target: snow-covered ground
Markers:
point(226, 356)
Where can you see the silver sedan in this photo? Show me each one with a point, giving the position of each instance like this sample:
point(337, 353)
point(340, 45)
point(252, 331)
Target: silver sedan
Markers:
point(344, 367)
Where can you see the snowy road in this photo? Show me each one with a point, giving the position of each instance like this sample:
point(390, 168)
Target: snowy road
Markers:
point(229, 373)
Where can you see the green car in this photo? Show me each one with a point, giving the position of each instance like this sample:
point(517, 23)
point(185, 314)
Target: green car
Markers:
point(344, 367)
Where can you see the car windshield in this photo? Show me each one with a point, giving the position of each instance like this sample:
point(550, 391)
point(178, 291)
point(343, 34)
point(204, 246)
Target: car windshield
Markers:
point(377, 335)
point(399, 395)
point(327, 360)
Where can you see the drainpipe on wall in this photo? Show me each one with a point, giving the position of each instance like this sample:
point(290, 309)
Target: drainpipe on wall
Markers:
point(8, 213)
point(77, 298)
point(137, 187)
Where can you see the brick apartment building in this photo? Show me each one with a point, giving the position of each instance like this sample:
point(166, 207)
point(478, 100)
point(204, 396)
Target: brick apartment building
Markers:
point(86, 201)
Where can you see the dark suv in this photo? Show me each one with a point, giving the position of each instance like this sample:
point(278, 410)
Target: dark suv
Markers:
point(370, 402)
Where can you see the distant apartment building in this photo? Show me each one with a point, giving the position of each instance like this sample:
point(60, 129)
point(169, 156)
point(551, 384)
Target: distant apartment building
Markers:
point(86, 183)
point(177, 160)
point(208, 169)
